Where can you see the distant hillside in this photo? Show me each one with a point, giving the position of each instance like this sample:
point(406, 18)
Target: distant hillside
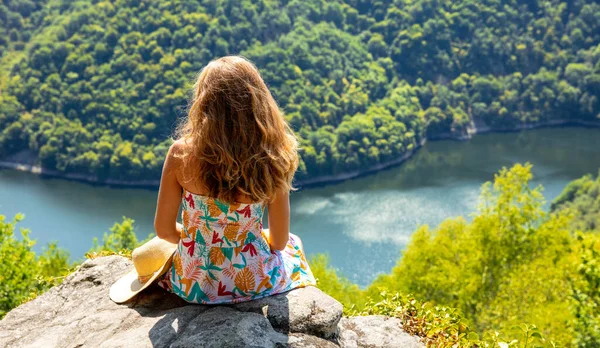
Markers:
point(95, 87)
point(582, 198)
point(18, 19)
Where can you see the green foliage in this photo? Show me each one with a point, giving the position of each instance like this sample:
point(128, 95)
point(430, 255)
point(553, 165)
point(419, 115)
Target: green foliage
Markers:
point(511, 263)
point(330, 282)
point(586, 293)
point(444, 327)
point(18, 20)
point(23, 274)
point(438, 326)
point(120, 240)
point(582, 198)
point(507, 266)
point(95, 87)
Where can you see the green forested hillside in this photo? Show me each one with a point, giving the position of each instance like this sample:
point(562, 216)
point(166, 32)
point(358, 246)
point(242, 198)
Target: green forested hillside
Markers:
point(582, 198)
point(18, 20)
point(96, 87)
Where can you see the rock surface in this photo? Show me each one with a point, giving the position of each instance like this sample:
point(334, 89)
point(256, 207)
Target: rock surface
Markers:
point(375, 331)
point(78, 313)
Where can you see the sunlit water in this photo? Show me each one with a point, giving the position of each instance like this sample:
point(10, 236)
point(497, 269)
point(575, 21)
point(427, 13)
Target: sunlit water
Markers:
point(364, 224)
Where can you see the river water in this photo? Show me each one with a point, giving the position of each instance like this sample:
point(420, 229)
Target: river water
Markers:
point(363, 224)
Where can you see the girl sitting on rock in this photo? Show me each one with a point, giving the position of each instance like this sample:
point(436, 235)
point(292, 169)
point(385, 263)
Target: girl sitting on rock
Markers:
point(235, 156)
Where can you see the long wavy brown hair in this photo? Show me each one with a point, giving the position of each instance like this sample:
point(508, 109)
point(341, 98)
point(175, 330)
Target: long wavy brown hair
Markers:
point(241, 143)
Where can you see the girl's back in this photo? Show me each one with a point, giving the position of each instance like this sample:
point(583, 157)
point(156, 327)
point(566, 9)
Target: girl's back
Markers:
point(223, 255)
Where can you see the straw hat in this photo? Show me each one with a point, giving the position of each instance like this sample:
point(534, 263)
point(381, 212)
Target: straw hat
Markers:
point(151, 260)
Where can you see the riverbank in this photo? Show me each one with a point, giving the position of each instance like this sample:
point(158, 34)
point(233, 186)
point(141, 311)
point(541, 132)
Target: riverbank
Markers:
point(26, 162)
point(474, 129)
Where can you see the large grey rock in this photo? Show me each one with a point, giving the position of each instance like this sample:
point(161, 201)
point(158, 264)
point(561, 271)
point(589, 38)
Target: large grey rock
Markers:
point(309, 311)
point(375, 331)
point(78, 313)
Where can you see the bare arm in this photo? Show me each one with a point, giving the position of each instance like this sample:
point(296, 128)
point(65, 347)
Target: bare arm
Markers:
point(279, 221)
point(169, 199)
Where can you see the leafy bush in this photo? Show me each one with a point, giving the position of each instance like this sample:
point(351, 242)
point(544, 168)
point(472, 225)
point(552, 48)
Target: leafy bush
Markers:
point(120, 240)
point(586, 292)
point(330, 282)
point(23, 274)
point(445, 327)
point(512, 263)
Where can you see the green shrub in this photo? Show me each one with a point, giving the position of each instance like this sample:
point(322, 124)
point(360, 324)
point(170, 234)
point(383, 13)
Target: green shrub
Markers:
point(511, 263)
point(445, 327)
point(328, 280)
point(586, 292)
point(120, 240)
point(23, 274)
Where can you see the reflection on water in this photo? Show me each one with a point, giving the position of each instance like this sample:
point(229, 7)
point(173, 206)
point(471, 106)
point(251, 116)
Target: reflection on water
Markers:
point(363, 224)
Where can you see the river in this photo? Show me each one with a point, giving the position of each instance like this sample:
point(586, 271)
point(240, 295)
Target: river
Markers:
point(363, 224)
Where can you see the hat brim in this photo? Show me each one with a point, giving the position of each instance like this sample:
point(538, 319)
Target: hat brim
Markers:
point(128, 286)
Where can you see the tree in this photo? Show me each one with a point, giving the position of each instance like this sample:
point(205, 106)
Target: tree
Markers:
point(122, 238)
point(23, 274)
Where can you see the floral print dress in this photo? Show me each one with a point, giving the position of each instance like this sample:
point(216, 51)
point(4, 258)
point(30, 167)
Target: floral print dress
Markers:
point(224, 257)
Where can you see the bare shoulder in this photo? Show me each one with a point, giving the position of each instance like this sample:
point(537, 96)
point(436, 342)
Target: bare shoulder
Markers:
point(178, 148)
point(177, 151)
point(178, 161)
point(174, 158)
